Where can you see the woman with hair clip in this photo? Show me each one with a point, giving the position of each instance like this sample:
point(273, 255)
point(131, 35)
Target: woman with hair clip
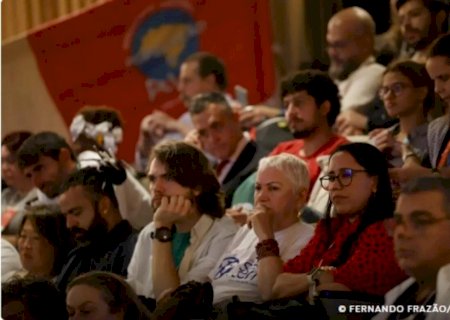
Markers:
point(351, 249)
point(103, 295)
point(407, 93)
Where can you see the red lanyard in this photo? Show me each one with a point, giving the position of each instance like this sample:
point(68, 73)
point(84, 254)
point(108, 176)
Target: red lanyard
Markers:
point(444, 156)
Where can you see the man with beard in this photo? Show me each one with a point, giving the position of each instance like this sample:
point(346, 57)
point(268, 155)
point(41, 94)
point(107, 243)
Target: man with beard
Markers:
point(46, 159)
point(421, 21)
point(311, 101)
point(350, 40)
point(188, 233)
point(105, 241)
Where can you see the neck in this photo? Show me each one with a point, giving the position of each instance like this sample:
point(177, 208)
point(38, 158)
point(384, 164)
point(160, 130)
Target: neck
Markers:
point(316, 140)
point(411, 121)
point(188, 223)
point(24, 187)
point(113, 219)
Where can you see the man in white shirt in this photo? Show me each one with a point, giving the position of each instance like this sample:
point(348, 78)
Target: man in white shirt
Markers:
point(188, 233)
point(350, 40)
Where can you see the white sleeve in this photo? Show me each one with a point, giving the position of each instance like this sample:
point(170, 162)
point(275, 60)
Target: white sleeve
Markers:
point(139, 269)
point(10, 260)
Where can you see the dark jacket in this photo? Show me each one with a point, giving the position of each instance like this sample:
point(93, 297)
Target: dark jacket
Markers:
point(245, 164)
point(112, 254)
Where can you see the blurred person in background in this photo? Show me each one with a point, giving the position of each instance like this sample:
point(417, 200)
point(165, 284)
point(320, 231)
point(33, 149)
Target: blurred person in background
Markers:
point(20, 189)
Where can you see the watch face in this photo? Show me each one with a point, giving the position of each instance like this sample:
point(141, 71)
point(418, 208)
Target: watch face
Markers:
point(162, 234)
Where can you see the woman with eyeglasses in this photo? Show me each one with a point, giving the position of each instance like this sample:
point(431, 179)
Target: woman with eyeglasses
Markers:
point(407, 94)
point(351, 249)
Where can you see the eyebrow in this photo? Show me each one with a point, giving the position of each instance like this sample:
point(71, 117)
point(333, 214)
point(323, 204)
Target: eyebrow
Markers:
point(153, 176)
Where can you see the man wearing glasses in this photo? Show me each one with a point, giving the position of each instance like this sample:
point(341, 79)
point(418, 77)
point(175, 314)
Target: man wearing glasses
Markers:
point(422, 248)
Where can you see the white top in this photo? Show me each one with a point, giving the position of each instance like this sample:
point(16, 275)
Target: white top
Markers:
point(209, 238)
point(442, 295)
point(236, 271)
point(10, 261)
point(362, 85)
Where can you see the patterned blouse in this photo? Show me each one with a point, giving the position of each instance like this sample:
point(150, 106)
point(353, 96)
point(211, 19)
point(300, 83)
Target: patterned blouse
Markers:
point(371, 267)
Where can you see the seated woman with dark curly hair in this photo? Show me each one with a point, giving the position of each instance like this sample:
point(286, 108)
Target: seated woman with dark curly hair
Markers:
point(351, 249)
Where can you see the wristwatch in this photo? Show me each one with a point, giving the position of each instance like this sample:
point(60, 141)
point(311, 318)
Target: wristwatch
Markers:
point(162, 234)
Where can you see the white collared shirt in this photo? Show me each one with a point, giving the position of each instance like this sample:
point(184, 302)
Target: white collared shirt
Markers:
point(361, 86)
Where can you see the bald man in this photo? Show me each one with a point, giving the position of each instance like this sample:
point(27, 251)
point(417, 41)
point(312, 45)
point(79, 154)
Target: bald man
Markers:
point(350, 40)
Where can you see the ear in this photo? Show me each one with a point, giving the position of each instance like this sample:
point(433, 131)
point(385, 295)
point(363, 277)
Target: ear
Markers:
point(301, 197)
point(440, 18)
point(324, 108)
point(374, 186)
point(422, 92)
point(210, 79)
point(104, 206)
point(64, 155)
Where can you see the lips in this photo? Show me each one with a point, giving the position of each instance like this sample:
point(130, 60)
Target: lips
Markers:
point(338, 198)
point(404, 253)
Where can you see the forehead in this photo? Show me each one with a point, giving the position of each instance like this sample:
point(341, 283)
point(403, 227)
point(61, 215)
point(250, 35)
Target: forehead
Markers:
point(28, 226)
point(394, 76)
point(43, 160)
point(73, 196)
point(430, 201)
point(189, 69)
point(411, 5)
point(82, 293)
point(157, 167)
point(438, 66)
point(214, 112)
point(299, 95)
point(342, 160)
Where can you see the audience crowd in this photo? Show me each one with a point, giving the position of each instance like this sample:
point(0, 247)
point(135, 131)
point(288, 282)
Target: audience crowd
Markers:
point(348, 203)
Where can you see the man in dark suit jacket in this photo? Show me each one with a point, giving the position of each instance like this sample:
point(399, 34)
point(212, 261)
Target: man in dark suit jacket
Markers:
point(218, 133)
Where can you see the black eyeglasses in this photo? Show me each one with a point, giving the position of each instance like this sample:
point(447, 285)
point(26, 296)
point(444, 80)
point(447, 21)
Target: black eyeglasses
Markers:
point(344, 177)
point(396, 89)
point(417, 220)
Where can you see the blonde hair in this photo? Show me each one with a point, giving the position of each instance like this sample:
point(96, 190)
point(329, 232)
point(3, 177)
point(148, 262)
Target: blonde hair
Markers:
point(295, 169)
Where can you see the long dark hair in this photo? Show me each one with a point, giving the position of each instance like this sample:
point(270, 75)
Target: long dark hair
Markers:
point(50, 223)
point(116, 292)
point(380, 205)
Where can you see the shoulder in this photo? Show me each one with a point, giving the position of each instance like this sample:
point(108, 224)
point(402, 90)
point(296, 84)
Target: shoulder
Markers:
point(224, 226)
point(287, 146)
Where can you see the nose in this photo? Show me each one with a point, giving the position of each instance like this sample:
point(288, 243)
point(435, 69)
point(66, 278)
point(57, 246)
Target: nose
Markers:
point(157, 185)
point(261, 196)
point(71, 221)
point(290, 112)
point(334, 184)
point(438, 87)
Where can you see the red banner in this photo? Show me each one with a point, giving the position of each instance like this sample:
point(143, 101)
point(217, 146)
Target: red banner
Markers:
point(126, 53)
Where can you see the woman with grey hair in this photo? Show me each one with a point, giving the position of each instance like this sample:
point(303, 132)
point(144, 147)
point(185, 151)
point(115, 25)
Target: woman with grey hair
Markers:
point(282, 184)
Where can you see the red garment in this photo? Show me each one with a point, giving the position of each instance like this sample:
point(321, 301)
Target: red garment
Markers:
point(370, 268)
point(294, 147)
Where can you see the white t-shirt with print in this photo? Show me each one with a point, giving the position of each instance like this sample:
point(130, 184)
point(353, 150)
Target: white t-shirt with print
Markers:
point(236, 271)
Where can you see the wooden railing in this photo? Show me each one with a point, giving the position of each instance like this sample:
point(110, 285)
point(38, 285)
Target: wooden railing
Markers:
point(19, 16)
